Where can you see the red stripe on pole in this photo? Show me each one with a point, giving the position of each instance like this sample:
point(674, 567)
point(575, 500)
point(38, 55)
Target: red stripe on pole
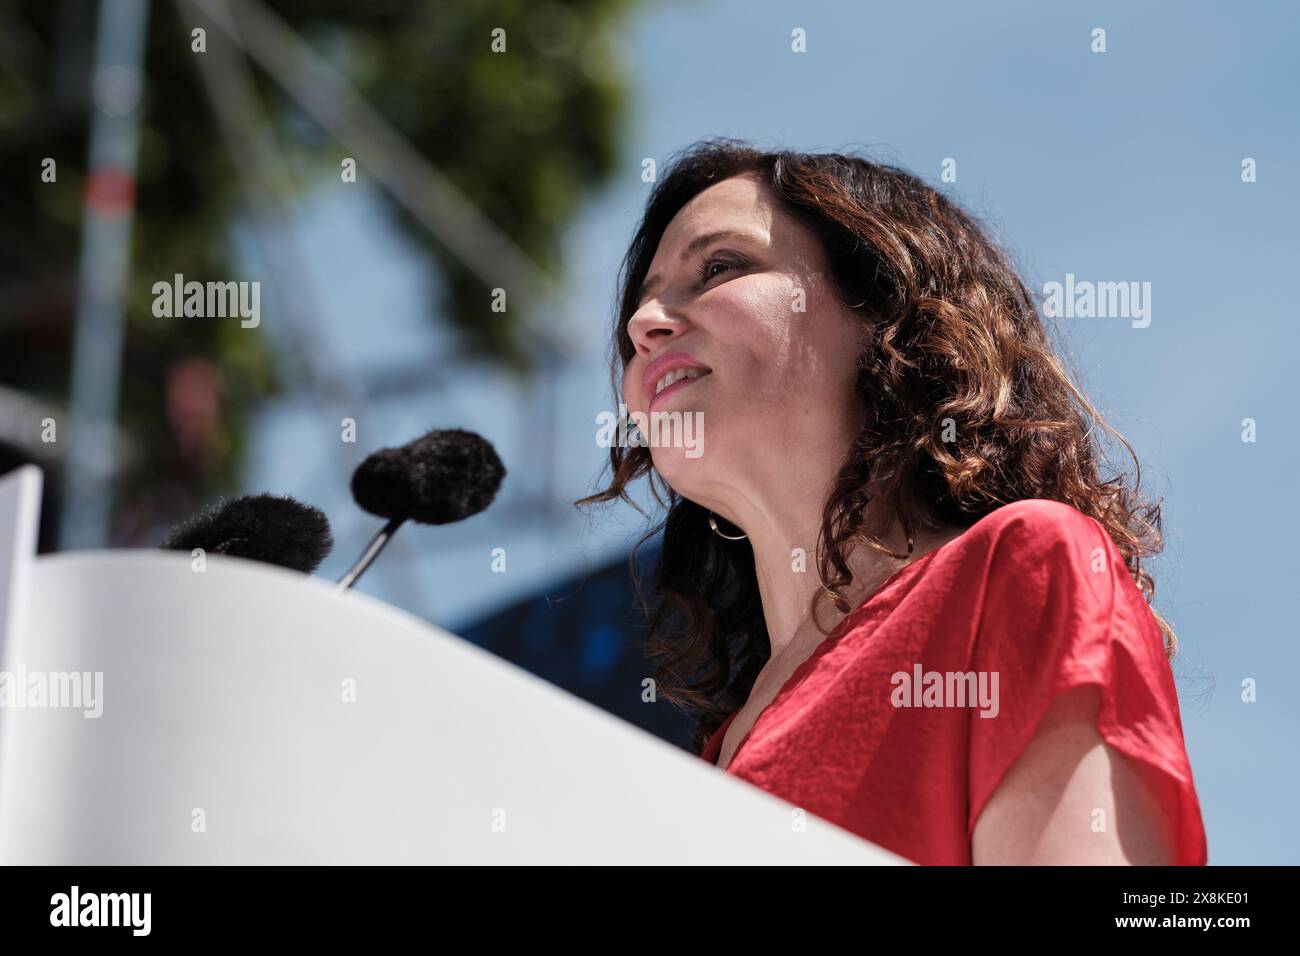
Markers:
point(110, 193)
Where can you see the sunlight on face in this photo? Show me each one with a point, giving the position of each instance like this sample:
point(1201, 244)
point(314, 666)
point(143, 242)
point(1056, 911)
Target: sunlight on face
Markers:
point(760, 313)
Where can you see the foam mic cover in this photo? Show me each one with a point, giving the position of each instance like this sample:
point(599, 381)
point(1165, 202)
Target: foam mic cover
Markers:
point(268, 528)
point(442, 477)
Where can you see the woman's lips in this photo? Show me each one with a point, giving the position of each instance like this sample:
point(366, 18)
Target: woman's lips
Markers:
point(680, 383)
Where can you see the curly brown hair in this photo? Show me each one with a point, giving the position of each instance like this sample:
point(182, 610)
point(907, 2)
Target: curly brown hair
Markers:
point(957, 351)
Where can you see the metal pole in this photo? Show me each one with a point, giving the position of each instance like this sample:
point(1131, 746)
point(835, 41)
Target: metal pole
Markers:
point(395, 164)
point(117, 83)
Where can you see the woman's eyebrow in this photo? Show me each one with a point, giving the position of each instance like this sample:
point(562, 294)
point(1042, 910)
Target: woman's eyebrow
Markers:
point(695, 245)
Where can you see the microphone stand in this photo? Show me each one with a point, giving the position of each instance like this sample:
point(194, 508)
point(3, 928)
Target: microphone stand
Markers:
point(368, 556)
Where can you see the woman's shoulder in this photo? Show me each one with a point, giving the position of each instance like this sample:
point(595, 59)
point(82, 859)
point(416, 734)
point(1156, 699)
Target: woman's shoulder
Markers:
point(1032, 528)
point(1046, 568)
point(1037, 516)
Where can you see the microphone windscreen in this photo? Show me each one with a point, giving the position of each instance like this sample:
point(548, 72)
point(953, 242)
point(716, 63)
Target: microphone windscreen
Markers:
point(442, 477)
point(268, 528)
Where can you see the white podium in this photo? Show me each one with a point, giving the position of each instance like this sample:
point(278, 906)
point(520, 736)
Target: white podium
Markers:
point(250, 715)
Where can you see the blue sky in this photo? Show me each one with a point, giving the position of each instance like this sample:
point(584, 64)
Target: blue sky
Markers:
point(1115, 166)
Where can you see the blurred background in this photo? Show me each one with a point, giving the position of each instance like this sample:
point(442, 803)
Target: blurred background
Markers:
point(381, 168)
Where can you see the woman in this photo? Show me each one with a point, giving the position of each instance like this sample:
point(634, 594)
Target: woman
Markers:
point(881, 408)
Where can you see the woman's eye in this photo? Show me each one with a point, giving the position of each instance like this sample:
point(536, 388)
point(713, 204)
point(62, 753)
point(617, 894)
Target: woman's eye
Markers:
point(708, 265)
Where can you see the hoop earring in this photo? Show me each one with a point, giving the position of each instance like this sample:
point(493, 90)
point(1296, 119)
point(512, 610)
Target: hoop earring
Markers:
point(713, 523)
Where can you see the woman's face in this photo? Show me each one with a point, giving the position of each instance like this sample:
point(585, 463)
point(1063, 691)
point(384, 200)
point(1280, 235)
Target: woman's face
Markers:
point(757, 310)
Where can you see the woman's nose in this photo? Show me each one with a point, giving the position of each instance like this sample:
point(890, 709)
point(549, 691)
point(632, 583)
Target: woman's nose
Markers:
point(649, 328)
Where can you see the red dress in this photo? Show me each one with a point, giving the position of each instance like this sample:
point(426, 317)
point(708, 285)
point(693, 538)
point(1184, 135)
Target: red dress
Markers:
point(1035, 593)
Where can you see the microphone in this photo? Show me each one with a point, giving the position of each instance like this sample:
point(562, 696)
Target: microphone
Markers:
point(267, 528)
point(444, 476)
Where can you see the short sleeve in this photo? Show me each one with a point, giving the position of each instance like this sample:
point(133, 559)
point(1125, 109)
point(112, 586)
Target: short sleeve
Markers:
point(1060, 610)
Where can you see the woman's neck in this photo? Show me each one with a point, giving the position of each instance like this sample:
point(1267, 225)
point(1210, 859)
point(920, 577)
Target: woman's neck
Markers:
point(785, 562)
